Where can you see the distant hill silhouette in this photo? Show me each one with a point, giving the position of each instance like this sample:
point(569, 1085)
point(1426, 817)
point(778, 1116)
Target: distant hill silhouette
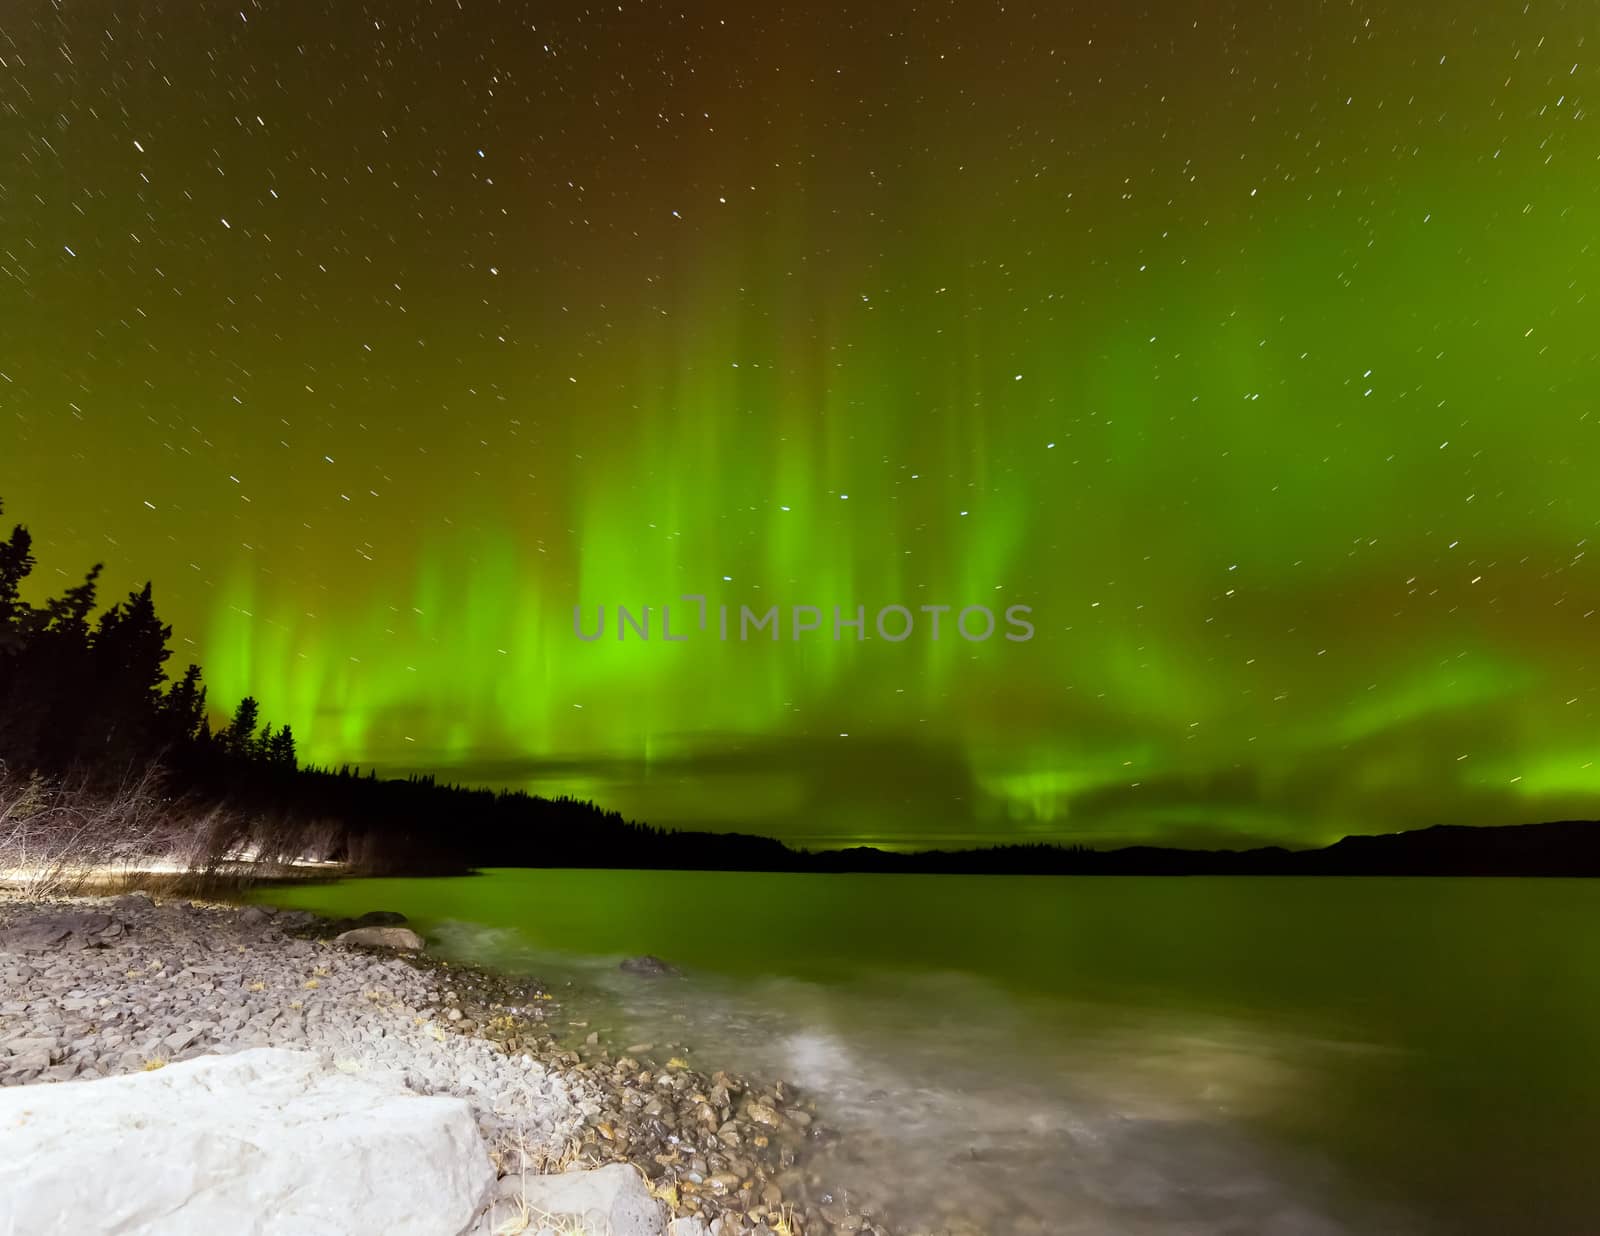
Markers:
point(396, 826)
point(1560, 848)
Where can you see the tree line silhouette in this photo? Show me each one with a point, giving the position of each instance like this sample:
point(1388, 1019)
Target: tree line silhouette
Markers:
point(86, 703)
point(90, 695)
point(103, 757)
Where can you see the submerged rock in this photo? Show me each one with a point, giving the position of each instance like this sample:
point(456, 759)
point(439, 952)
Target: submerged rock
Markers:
point(381, 918)
point(649, 966)
point(381, 937)
point(266, 1141)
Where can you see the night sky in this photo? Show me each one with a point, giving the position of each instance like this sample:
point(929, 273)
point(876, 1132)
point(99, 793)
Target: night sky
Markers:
point(1252, 345)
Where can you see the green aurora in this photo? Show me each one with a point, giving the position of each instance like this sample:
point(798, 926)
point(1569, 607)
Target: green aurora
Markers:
point(1255, 354)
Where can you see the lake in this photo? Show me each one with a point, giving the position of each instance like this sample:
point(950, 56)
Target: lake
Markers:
point(1109, 1055)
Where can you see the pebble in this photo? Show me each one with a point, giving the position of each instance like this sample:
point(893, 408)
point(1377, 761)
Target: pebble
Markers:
point(121, 984)
point(100, 987)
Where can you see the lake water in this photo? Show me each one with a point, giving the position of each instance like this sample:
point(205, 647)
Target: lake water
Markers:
point(1109, 1055)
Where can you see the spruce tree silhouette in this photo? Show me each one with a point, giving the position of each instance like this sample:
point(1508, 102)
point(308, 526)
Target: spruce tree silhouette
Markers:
point(240, 737)
point(183, 710)
point(129, 650)
point(16, 562)
point(54, 678)
point(280, 750)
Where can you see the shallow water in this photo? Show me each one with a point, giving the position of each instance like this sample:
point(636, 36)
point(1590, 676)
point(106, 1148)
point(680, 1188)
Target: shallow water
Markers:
point(1108, 1055)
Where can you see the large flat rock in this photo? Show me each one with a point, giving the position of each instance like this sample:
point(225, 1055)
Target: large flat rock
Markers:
point(267, 1142)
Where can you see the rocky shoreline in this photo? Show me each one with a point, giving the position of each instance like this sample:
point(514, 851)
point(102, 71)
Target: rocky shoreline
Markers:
point(99, 987)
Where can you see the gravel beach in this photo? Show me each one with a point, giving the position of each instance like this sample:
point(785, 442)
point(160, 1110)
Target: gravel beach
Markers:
point(97, 987)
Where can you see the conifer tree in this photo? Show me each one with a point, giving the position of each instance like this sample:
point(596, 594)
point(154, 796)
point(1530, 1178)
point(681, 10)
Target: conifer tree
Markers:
point(280, 750)
point(240, 736)
point(183, 709)
point(16, 561)
point(128, 651)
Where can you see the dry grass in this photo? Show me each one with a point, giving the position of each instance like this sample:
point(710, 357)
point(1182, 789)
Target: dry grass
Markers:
point(71, 836)
point(513, 1156)
point(54, 836)
point(526, 1218)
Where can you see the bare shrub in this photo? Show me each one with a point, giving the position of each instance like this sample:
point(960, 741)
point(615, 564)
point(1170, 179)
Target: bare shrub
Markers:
point(54, 834)
point(59, 836)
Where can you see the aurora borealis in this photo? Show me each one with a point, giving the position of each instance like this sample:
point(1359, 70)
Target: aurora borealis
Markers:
point(1253, 348)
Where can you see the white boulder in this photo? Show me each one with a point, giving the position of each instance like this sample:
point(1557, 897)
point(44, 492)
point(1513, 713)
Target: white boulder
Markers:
point(267, 1142)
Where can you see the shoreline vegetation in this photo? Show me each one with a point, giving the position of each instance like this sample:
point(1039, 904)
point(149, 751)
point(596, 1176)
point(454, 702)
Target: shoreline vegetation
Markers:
point(109, 986)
